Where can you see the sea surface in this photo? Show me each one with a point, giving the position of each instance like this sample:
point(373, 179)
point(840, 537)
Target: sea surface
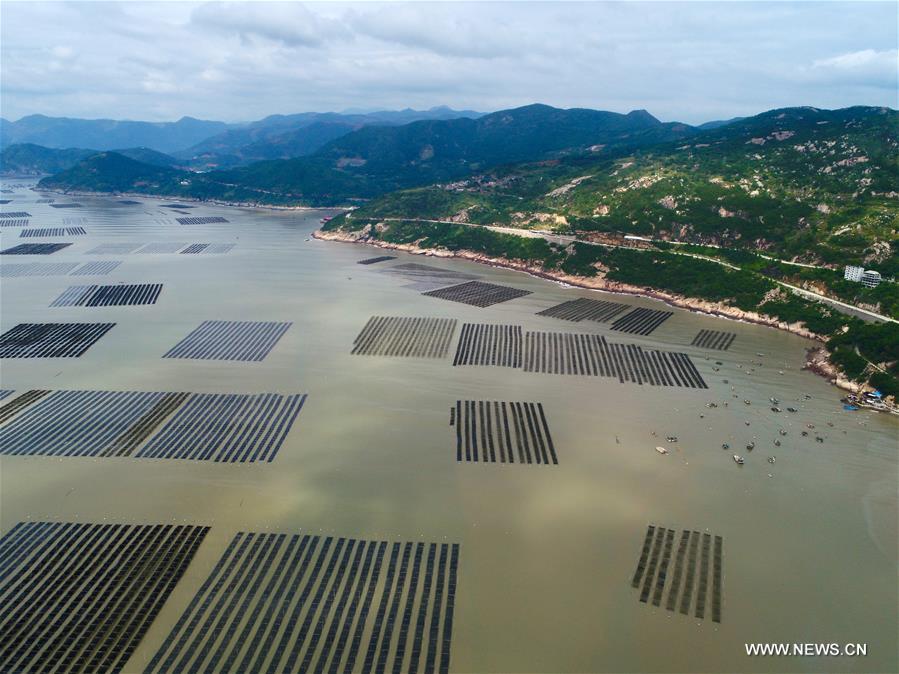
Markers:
point(546, 552)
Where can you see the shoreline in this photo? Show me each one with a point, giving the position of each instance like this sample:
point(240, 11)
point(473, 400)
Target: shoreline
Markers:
point(817, 356)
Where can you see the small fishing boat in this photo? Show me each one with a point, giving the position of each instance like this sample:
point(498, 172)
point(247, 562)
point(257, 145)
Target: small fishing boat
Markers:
point(724, 445)
point(771, 459)
point(777, 443)
point(850, 408)
point(775, 409)
point(671, 438)
point(661, 450)
point(792, 409)
point(738, 459)
point(782, 432)
point(750, 446)
point(774, 401)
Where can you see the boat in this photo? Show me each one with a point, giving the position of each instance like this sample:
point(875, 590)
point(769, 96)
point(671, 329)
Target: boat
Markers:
point(661, 450)
point(724, 445)
point(777, 443)
point(738, 459)
point(671, 438)
point(771, 459)
point(782, 432)
point(850, 408)
point(775, 409)
point(750, 446)
point(774, 401)
point(792, 409)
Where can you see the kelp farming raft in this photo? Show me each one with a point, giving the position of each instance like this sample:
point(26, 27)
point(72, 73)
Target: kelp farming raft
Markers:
point(79, 597)
point(7, 215)
point(221, 427)
point(202, 220)
point(230, 340)
point(52, 231)
point(408, 337)
point(51, 340)
point(72, 204)
point(109, 296)
point(641, 321)
point(19, 222)
point(714, 339)
point(478, 293)
point(584, 309)
point(688, 590)
point(583, 354)
point(35, 249)
point(375, 260)
point(299, 603)
point(492, 431)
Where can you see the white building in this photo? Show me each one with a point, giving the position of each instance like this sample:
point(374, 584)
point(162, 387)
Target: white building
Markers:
point(853, 273)
point(871, 278)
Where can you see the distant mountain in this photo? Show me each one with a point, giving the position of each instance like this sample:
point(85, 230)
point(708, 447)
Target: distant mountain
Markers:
point(105, 134)
point(27, 159)
point(114, 172)
point(717, 123)
point(288, 136)
point(376, 159)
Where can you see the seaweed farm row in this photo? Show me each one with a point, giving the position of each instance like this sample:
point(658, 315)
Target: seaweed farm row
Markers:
point(641, 321)
point(714, 339)
point(35, 249)
point(51, 340)
point(405, 336)
point(230, 340)
point(375, 260)
point(585, 309)
point(80, 597)
point(19, 222)
point(53, 231)
point(160, 247)
point(14, 214)
point(299, 603)
point(696, 555)
point(69, 205)
point(221, 427)
point(477, 293)
point(106, 296)
point(489, 344)
point(203, 220)
point(58, 269)
point(493, 431)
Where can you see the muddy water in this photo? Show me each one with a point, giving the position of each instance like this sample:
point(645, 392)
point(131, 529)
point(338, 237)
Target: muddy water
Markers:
point(547, 553)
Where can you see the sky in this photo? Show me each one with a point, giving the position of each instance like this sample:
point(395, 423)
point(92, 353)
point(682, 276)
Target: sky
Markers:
point(690, 62)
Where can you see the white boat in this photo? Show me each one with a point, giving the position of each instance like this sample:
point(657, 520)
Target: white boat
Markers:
point(738, 459)
point(661, 450)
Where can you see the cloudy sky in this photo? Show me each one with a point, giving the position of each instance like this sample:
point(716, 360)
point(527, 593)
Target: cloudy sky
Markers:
point(239, 61)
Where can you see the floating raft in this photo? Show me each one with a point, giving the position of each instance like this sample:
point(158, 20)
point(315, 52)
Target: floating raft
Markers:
point(426, 277)
point(128, 202)
point(10, 409)
point(36, 269)
point(6, 392)
point(14, 214)
point(592, 355)
point(45, 201)
point(161, 247)
point(217, 248)
point(583, 309)
point(405, 336)
point(51, 340)
point(80, 597)
point(14, 223)
point(100, 268)
point(227, 427)
point(694, 557)
point(291, 603)
point(76, 221)
point(195, 248)
point(109, 296)
point(713, 339)
point(114, 248)
point(491, 431)
point(9, 201)
point(53, 231)
point(641, 321)
point(374, 260)
point(230, 340)
point(489, 344)
point(35, 249)
point(204, 220)
point(71, 205)
point(478, 293)
point(175, 206)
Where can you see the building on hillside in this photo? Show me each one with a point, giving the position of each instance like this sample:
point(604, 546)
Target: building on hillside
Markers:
point(853, 273)
point(871, 278)
point(867, 277)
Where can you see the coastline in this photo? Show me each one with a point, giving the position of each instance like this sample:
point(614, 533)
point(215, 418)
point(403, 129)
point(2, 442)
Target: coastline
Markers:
point(817, 357)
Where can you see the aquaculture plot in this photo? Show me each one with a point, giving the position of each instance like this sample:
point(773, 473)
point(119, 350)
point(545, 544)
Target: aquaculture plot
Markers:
point(695, 556)
point(52, 231)
point(230, 340)
point(100, 268)
point(374, 260)
point(73, 222)
point(51, 340)
point(405, 336)
point(114, 248)
point(71, 205)
point(14, 214)
point(217, 248)
point(128, 202)
point(14, 223)
point(489, 344)
point(478, 293)
point(161, 247)
point(9, 201)
point(205, 220)
point(491, 431)
point(227, 427)
point(714, 339)
point(175, 206)
point(109, 296)
point(195, 248)
point(641, 321)
point(5, 392)
point(45, 201)
point(291, 603)
point(35, 249)
point(592, 355)
point(583, 309)
point(13, 407)
point(80, 597)
point(426, 277)
point(36, 269)
point(83, 423)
